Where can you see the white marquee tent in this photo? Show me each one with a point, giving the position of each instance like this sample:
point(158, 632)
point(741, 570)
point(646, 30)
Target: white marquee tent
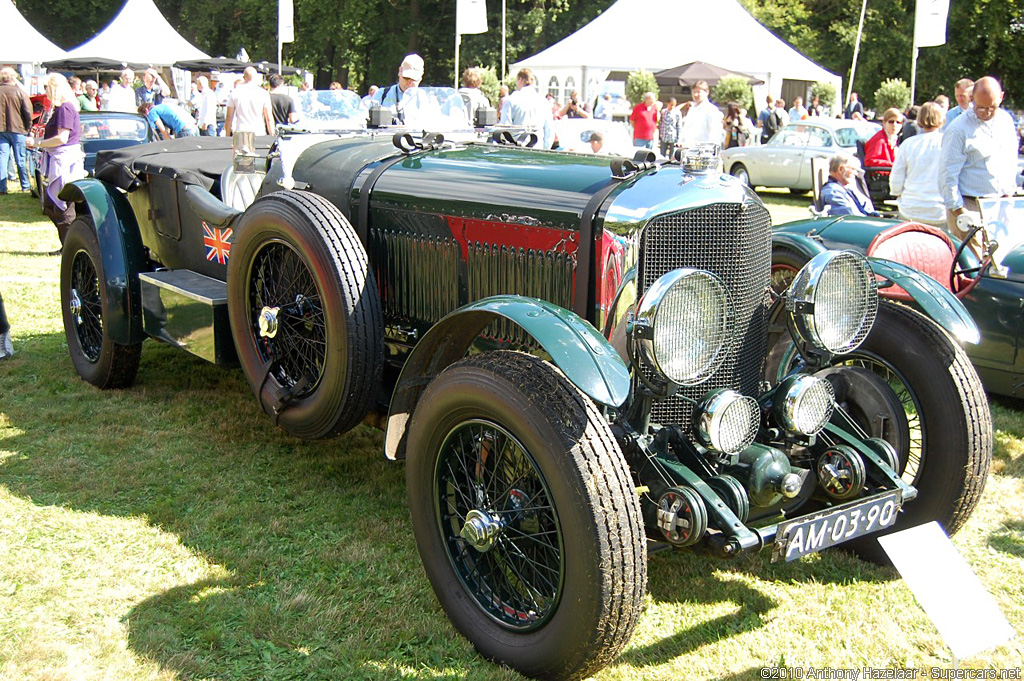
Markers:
point(22, 44)
point(660, 34)
point(138, 34)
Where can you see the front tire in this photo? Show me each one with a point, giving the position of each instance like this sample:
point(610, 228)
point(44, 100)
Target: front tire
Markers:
point(739, 171)
point(305, 314)
point(525, 516)
point(947, 450)
point(85, 306)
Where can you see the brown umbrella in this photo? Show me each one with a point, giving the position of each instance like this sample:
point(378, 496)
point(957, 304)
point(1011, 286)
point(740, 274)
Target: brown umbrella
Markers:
point(688, 74)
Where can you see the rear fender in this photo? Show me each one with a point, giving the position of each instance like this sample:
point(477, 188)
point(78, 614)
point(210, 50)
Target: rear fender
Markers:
point(933, 298)
point(575, 347)
point(122, 253)
point(801, 243)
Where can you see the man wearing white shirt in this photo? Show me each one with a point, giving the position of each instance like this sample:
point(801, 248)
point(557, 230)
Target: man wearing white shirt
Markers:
point(979, 153)
point(122, 94)
point(703, 121)
point(528, 108)
point(249, 107)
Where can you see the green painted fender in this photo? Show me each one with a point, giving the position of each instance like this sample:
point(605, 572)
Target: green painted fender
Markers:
point(121, 251)
point(934, 299)
point(575, 347)
point(801, 243)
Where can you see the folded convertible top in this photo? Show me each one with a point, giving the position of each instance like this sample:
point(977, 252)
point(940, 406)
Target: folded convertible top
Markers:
point(192, 160)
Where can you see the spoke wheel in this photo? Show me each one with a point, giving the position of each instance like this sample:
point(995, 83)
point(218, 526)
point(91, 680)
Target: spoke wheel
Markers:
point(499, 526)
point(526, 516)
point(305, 314)
point(938, 417)
point(287, 317)
point(86, 308)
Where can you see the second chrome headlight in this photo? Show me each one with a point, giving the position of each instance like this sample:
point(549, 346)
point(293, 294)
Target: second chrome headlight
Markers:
point(833, 301)
point(682, 325)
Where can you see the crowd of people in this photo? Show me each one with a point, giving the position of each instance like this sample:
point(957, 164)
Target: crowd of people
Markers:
point(941, 161)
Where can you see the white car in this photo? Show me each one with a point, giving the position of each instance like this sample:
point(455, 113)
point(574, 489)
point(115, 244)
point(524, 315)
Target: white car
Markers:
point(573, 134)
point(785, 160)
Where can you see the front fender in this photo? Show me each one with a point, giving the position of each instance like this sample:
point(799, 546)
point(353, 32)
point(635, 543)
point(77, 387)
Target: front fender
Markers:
point(575, 347)
point(933, 298)
point(121, 251)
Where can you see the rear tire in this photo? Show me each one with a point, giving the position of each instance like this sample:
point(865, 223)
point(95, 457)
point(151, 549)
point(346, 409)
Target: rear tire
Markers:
point(85, 306)
point(298, 269)
point(556, 587)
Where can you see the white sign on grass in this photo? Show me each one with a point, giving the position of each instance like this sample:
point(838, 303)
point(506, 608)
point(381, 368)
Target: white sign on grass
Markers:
point(954, 599)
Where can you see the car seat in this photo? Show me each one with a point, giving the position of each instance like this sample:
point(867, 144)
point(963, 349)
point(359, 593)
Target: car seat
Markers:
point(925, 248)
point(239, 190)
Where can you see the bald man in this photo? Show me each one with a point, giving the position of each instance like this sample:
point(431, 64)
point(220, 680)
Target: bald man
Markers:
point(249, 108)
point(979, 153)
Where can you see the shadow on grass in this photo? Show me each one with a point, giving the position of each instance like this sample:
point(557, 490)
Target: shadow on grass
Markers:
point(1006, 413)
point(1009, 538)
point(310, 569)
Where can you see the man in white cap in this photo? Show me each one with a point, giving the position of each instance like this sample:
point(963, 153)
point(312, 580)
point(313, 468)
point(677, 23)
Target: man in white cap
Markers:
point(410, 73)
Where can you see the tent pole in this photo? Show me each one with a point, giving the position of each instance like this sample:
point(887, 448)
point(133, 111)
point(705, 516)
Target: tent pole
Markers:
point(502, 75)
point(458, 39)
point(856, 50)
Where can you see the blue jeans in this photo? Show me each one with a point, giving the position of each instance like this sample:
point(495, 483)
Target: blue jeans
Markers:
point(13, 141)
point(647, 144)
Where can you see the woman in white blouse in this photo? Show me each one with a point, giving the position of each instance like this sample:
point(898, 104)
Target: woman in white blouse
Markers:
point(914, 179)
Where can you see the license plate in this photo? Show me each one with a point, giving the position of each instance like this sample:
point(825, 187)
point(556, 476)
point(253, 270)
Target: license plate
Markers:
point(813, 533)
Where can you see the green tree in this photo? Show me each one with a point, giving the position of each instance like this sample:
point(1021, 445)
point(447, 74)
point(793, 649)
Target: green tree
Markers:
point(734, 89)
point(892, 93)
point(639, 82)
point(825, 92)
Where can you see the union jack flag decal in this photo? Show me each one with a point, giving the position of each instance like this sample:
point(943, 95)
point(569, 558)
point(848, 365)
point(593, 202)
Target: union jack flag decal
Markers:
point(218, 243)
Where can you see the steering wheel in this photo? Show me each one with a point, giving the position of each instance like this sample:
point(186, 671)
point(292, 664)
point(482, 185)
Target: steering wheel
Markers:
point(957, 272)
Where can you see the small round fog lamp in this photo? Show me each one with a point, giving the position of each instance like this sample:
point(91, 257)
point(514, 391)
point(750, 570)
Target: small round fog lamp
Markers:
point(727, 421)
point(804, 404)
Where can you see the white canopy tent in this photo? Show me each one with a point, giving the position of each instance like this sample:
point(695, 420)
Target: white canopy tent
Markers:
point(139, 34)
point(21, 43)
point(720, 32)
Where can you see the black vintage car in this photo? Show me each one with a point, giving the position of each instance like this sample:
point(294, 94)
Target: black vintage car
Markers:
point(574, 354)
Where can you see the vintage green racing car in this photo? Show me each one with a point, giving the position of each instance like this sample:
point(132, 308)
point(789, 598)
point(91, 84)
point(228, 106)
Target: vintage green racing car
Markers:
point(573, 354)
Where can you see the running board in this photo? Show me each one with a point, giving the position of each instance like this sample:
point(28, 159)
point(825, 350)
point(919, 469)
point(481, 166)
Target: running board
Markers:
point(188, 310)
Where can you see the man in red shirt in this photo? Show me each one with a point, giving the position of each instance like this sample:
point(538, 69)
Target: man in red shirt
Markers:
point(645, 121)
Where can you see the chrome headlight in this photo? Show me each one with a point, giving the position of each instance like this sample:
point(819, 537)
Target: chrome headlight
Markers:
point(727, 421)
point(682, 325)
point(833, 300)
point(804, 404)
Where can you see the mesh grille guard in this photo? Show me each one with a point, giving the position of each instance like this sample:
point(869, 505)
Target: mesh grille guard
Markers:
point(733, 241)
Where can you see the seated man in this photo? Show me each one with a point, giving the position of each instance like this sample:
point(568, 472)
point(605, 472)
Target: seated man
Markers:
point(169, 120)
point(840, 194)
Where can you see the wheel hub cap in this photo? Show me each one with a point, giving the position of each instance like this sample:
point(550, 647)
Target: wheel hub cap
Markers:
point(75, 305)
point(268, 322)
point(481, 530)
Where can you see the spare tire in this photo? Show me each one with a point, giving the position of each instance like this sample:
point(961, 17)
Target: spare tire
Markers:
point(305, 314)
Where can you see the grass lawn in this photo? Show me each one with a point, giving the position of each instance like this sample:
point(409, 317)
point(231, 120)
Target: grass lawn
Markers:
point(169, 531)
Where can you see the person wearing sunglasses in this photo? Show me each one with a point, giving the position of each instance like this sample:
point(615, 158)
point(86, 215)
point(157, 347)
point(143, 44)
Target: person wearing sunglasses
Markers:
point(880, 149)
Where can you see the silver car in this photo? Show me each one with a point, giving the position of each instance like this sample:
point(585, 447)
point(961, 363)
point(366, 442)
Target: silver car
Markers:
point(785, 161)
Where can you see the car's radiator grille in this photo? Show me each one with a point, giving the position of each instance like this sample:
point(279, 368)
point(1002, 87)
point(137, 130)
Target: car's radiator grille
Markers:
point(418, 276)
point(734, 242)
